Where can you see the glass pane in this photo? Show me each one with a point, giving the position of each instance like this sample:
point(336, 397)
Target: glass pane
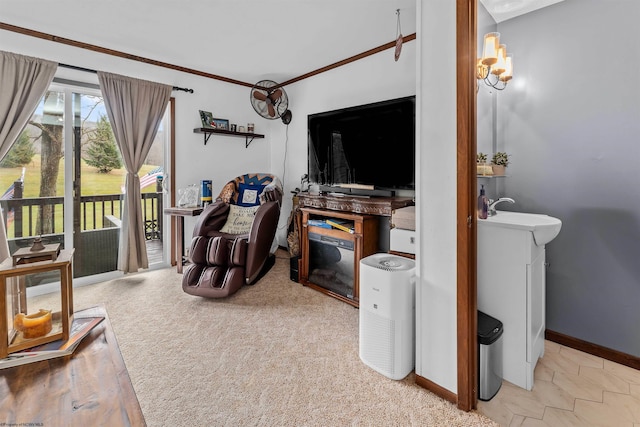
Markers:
point(45, 324)
point(151, 178)
point(99, 174)
point(12, 300)
point(32, 176)
point(101, 179)
point(32, 183)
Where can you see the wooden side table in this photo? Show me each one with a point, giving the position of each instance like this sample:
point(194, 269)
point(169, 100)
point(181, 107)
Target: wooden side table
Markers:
point(179, 214)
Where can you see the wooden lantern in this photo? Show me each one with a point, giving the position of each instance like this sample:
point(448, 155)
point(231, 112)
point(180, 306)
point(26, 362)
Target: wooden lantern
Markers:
point(19, 328)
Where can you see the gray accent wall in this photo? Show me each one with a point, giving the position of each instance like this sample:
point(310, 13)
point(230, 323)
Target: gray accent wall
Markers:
point(486, 98)
point(570, 119)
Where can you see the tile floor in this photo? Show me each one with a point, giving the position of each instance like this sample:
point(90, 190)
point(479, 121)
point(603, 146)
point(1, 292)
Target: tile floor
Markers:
point(571, 388)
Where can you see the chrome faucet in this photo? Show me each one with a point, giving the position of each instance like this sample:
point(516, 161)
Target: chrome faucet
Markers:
point(492, 204)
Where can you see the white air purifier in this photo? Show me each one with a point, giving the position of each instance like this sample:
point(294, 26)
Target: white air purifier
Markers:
point(387, 314)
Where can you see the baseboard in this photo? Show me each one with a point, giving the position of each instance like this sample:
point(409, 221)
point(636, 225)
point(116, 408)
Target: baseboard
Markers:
point(594, 349)
point(436, 389)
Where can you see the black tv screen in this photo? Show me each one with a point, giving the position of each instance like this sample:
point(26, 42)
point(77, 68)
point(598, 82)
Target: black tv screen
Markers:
point(368, 145)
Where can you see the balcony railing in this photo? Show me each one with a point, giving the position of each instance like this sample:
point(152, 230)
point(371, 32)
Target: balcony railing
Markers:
point(96, 212)
point(98, 224)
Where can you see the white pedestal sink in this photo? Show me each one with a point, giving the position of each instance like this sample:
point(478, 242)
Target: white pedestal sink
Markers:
point(545, 228)
point(511, 285)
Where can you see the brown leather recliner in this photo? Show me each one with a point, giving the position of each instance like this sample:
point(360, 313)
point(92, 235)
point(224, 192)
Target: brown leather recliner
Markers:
point(233, 237)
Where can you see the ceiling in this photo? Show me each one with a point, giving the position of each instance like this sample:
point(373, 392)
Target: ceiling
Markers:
point(246, 40)
point(501, 10)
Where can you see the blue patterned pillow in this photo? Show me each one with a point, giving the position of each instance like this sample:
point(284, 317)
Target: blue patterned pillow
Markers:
point(249, 195)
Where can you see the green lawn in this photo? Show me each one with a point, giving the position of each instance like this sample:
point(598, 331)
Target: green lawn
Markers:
point(93, 183)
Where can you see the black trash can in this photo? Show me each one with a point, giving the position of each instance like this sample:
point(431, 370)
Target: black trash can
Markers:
point(489, 356)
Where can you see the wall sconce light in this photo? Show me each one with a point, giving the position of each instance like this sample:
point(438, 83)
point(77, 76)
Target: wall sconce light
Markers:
point(495, 67)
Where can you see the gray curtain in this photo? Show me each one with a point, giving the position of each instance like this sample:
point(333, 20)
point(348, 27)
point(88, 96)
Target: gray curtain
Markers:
point(135, 109)
point(23, 82)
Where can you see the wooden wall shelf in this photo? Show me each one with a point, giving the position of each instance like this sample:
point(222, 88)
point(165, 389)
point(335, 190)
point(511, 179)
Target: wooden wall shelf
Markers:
point(248, 137)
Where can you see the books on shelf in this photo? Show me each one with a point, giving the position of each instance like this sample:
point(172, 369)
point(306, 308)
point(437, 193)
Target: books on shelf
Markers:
point(341, 224)
point(80, 328)
point(318, 223)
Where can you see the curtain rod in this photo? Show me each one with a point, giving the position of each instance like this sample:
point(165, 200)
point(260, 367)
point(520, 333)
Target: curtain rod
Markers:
point(89, 70)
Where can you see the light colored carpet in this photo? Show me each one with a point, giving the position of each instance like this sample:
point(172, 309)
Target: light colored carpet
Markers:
point(274, 354)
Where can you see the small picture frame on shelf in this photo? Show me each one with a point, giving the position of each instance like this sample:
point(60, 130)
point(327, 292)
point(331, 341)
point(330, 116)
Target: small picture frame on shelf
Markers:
point(222, 124)
point(207, 119)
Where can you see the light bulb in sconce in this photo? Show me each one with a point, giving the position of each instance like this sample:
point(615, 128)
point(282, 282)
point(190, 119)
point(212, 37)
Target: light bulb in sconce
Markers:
point(490, 48)
point(499, 67)
point(508, 72)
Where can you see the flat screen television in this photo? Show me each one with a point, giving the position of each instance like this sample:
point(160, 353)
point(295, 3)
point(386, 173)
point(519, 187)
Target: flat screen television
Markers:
point(364, 148)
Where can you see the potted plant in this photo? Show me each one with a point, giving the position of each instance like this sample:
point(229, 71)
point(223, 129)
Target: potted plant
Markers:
point(499, 162)
point(482, 168)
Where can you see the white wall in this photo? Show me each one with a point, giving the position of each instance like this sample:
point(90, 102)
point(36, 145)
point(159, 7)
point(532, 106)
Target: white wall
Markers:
point(375, 78)
point(436, 328)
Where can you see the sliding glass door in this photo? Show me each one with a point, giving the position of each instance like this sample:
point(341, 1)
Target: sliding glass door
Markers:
point(64, 182)
point(96, 176)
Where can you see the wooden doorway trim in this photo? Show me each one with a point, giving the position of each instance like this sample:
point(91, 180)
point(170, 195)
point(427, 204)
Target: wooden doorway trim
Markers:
point(466, 11)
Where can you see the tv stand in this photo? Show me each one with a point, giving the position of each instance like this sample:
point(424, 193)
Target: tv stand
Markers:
point(363, 215)
point(382, 206)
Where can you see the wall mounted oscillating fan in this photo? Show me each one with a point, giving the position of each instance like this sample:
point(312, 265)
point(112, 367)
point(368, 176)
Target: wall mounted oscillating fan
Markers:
point(270, 101)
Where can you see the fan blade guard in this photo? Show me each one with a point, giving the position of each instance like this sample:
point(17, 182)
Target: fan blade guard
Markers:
point(269, 100)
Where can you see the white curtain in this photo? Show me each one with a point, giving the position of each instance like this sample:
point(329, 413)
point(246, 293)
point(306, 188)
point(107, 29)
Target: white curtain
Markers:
point(135, 109)
point(23, 82)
